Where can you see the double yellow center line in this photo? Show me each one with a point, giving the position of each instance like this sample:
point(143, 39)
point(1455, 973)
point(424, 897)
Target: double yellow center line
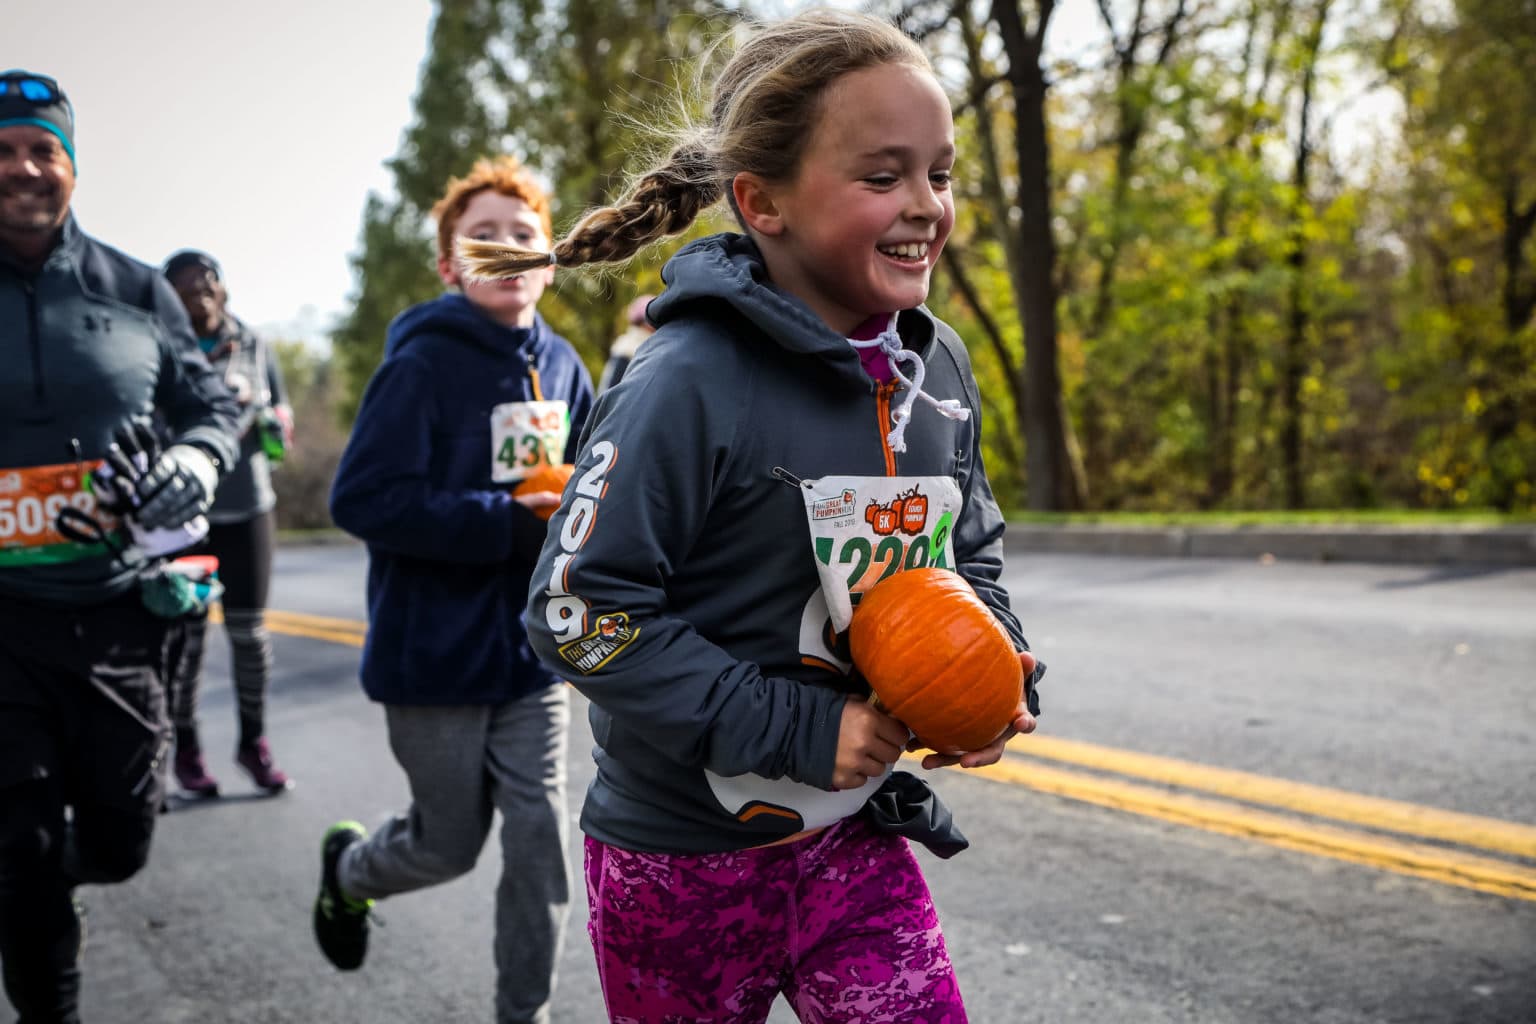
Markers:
point(1405, 838)
point(1409, 839)
point(317, 627)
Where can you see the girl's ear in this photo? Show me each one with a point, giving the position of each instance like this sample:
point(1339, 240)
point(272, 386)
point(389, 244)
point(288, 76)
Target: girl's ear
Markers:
point(448, 271)
point(754, 199)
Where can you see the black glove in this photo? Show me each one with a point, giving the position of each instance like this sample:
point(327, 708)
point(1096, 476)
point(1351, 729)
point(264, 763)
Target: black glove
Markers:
point(133, 451)
point(178, 488)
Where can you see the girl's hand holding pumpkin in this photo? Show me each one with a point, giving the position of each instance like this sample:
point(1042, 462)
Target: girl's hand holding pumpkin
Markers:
point(868, 742)
point(1023, 722)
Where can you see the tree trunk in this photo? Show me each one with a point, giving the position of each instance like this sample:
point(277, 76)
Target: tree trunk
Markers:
point(1055, 479)
point(1293, 355)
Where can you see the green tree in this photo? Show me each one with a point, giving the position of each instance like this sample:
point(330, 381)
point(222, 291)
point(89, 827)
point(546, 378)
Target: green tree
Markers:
point(1465, 355)
point(303, 479)
point(1004, 92)
point(579, 114)
point(453, 125)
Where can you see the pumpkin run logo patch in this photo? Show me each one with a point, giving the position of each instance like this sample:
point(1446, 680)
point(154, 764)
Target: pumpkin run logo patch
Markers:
point(589, 653)
point(845, 504)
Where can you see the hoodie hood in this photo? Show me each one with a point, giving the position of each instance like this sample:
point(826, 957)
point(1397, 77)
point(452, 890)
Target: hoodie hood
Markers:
point(453, 316)
point(728, 268)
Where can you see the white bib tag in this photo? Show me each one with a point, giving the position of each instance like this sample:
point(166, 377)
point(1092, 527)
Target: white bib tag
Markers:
point(865, 528)
point(527, 435)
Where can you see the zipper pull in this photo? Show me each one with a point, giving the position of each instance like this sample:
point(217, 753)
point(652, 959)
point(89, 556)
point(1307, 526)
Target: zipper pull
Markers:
point(785, 475)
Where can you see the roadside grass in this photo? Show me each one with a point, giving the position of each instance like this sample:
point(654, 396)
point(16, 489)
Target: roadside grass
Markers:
point(1212, 520)
point(1309, 517)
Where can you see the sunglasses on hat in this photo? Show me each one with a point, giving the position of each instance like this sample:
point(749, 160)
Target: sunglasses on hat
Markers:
point(30, 87)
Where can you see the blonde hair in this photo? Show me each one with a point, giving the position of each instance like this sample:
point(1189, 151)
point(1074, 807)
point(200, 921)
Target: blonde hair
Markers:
point(503, 174)
point(763, 110)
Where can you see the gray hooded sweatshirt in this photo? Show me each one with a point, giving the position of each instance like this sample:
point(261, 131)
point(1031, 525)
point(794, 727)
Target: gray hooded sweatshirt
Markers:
point(678, 588)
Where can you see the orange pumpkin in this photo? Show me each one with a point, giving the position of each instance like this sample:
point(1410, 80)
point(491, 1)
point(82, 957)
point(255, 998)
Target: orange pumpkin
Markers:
point(545, 478)
point(937, 659)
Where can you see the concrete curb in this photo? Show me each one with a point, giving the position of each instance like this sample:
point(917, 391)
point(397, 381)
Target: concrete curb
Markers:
point(1501, 545)
point(314, 538)
point(1469, 545)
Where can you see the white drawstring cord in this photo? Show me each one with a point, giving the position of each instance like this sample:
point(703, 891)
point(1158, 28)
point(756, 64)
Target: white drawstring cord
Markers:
point(890, 343)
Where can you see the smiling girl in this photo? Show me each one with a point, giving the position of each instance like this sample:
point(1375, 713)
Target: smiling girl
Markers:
point(746, 834)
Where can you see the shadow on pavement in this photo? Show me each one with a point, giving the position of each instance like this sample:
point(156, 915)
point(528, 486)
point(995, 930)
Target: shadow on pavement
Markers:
point(1448, 574)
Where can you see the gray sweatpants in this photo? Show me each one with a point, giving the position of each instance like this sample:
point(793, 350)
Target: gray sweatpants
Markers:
point(464, 762)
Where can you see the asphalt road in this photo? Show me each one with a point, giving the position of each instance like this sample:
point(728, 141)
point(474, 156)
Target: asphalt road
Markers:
point(1236, 873)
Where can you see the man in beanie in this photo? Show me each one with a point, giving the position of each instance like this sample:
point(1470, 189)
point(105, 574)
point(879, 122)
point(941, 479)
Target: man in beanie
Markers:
point(95, 346)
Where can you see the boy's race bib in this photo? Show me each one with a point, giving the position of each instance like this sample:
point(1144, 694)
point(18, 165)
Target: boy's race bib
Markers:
point(30, 502)
point(527, 435)
point(865, 528)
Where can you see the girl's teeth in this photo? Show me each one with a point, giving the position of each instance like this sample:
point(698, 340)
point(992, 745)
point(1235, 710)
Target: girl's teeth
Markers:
point(909, 251)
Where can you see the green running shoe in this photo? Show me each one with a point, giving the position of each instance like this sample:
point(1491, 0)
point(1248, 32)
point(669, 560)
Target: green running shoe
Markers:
point(341, 922)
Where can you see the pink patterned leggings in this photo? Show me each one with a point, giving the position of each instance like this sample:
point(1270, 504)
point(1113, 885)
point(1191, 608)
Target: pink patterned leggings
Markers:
point(842, 923)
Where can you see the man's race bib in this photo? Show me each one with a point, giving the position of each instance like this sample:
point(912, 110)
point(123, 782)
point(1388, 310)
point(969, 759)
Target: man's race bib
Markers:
point(527, 435)
point(865, 528)
point(30, 502)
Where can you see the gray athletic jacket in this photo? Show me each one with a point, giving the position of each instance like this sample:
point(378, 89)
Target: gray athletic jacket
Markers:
point(248, 366)
point(87, 341)
point(677, 588)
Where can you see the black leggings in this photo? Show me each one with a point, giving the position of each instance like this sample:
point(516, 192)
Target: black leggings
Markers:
point(244, 551)
point(82, 726)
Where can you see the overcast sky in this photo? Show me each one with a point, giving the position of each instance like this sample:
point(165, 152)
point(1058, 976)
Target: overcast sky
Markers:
point(251, 130)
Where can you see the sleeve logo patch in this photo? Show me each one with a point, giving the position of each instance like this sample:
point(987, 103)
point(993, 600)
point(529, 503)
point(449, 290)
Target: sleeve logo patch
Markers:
point(589, 653)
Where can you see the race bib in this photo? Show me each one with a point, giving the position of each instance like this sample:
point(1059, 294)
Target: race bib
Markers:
point(865, 528)
point(527, 435)
point(30, 502)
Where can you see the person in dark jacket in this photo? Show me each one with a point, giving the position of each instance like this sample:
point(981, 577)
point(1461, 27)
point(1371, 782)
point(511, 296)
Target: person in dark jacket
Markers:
point(241, 534)
point(745, 833)
point(622, 352)
point(92, 341)
point(474, 394)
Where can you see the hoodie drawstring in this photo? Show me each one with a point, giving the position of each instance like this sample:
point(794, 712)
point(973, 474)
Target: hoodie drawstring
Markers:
point(890, 343)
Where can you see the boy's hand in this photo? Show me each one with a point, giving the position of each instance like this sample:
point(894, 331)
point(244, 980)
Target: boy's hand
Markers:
point(868, 742)
point(549, 500)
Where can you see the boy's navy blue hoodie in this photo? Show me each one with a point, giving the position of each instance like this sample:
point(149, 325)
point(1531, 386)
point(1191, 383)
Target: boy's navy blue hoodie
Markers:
point(450, 552)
